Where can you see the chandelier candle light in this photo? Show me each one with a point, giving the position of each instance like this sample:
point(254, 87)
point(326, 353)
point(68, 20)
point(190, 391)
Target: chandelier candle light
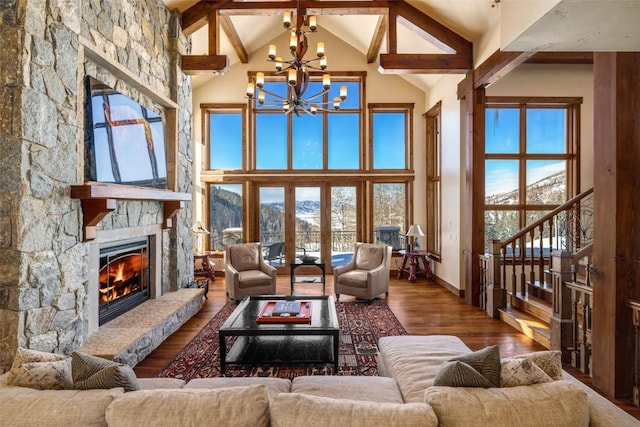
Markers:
point(297, 72)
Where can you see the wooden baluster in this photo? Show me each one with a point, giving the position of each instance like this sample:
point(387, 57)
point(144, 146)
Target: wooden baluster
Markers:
point(514, 280)
point(575, 356)
point(532, 268)
point(584, 356)
point(541, 262)
point(523, 259)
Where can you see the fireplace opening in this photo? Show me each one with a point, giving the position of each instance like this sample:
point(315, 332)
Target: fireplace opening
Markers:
point(123, 278)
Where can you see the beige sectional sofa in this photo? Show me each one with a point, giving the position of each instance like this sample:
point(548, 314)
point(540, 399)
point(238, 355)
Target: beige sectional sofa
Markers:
point(403, 395)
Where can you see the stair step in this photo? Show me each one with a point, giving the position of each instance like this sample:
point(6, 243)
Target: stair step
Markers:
point(541, 290)
point(533, 306)
point(529, 325)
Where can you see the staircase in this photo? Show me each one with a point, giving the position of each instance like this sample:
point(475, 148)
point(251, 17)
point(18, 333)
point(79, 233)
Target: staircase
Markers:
point(524, 276)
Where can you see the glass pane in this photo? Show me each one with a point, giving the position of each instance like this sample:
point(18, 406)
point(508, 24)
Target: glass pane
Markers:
point(271, 141)
point(225, 215)
point(546, 182)
point(272, 224)
point(502, 130)
point(389, 140)
point(353, 94)
point(557, 241)
point(225, 139)
point(343, 224)
point(500, 225)
point(389, 213)
point(308, 221)
point(307, 142)
point(273, 102)
point(501, 182)
point(546, 130)
point(344, 141)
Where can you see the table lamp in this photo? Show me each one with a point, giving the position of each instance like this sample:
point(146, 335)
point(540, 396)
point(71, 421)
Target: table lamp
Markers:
point(199, 230)
point(415, 231)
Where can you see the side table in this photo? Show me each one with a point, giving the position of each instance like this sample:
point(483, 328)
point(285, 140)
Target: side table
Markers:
point(202, 267)
point(411, 265)
point(297, 262)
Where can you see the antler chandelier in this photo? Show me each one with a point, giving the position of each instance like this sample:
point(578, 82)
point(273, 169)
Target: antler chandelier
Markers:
point(297, 71)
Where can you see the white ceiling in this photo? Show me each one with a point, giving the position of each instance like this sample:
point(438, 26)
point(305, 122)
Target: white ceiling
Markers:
point(469, 18)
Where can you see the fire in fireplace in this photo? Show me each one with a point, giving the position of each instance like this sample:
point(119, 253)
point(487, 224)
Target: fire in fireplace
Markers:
point(124, 277)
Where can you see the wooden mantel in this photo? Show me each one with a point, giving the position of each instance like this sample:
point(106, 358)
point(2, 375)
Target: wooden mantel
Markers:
point(98, 199)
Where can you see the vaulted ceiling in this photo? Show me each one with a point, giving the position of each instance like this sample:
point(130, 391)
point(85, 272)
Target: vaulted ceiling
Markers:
point(424, 28)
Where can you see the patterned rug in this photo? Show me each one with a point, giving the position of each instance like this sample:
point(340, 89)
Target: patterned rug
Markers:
point(361, 325)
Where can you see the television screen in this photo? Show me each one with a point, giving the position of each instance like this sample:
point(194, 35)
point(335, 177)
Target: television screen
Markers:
point(125, 143)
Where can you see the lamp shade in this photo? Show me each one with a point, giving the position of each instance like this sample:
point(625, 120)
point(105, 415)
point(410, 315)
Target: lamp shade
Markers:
point(415, 230)
point(198, 228)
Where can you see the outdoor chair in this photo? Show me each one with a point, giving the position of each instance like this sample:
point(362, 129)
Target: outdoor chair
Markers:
point(274, 252)
point(367, 274)
point(246, 272)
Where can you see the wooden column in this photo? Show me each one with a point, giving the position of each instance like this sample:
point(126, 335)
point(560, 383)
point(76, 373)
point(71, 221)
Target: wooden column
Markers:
point(616, 271)
point(474, 106)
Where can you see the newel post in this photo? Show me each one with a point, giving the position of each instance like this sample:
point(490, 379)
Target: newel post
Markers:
point(496, 293)
point(561, 324)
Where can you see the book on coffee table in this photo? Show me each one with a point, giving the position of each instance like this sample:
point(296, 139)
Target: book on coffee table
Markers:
point(285, 312)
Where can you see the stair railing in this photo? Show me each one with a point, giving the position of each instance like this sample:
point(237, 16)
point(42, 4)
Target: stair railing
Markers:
point(524, 257)
point(635, 319)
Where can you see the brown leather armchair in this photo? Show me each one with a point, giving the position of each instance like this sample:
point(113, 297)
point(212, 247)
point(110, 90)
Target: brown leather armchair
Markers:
point(246, 273)
point(367, 274)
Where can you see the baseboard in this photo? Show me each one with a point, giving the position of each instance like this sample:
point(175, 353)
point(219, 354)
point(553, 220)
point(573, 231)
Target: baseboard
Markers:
point(448, 286)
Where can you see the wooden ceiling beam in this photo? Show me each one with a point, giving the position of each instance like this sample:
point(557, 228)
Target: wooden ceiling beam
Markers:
point(561, 58)
point(205, 64)
point(234, 38)
point(411, 63)
point(196, 17)
point(376, 42)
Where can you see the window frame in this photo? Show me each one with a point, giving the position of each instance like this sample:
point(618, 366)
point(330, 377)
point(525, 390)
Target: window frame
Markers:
point(207, 111)
point(407, 109)
point(571, 155)
point(433, 119)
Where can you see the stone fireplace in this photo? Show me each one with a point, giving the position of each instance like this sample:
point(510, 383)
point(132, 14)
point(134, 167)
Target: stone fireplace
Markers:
point(50, 237)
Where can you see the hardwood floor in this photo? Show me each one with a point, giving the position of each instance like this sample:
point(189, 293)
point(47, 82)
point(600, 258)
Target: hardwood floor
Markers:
point(422, 307)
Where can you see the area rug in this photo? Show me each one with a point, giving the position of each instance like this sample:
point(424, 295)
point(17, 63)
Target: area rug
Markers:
point(361, 325)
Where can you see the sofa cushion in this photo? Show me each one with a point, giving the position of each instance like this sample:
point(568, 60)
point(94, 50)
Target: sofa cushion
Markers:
point(557, 403)
point(22, 406)
point(24, 355)
point(550, 361)
point(519, 372)
point(155, 383)
point(354, 278)
point(414, 360)
point(253, 278)
point(369, 256)
point(245, 257)
point(458, 374)
point(485, 361)
point(295, 410)
point(95, 372)
point(54, 375)
point(367, 388)
point(237, 406)
point(274, 386)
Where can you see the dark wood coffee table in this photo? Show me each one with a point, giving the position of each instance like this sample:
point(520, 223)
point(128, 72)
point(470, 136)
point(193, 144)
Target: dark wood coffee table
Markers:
point(280, 343)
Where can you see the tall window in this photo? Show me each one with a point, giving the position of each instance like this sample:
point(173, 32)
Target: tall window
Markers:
point(224, 130)
point(531, 148)
point(225, 215)
point(389, 214)
point(434, 184)
point(390, 133)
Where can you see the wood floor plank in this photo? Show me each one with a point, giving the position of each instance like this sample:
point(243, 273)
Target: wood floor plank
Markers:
point(423, 308)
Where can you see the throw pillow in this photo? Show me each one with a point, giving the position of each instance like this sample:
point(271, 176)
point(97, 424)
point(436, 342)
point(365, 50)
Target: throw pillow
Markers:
point(485, 361)
point(90, 372)
point(54, 375)
point(550, 361)
point(24, 355)
point(517, 372)
point(459, 374)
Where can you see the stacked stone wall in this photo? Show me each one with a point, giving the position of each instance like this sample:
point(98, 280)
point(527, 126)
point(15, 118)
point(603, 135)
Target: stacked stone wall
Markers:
point(43, 258)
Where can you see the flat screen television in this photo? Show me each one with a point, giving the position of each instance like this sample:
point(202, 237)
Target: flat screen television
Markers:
point(125, 142)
